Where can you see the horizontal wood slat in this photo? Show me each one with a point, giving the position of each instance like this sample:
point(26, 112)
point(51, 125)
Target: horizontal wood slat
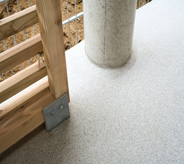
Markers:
point(18, 22)
point(21, 80)
point(20, 53)
point(28, 116)
point(18, 101)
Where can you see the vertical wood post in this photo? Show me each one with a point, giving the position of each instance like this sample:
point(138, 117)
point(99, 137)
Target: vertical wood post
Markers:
point(50, 21)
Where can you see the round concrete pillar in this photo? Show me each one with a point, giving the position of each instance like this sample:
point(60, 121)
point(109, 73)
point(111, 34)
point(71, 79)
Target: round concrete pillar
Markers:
point(108, 31)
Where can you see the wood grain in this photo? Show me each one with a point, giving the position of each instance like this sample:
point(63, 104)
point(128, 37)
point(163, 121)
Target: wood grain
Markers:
point(21, 80)
point(50, 21)
point(19, 100)
point(18, 22)
point(27, 117)
point(20, 53)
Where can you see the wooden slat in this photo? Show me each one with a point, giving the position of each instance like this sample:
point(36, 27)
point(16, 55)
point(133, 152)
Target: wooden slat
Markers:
point(19, 101)
point(50, 21)
point(21, 80)
point(28, 117)
point(17, 22)
point(20, 53)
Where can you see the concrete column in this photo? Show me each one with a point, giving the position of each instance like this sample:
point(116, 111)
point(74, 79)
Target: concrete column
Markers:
point(108, 31)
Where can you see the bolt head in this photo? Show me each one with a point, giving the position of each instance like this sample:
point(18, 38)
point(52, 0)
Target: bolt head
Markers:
point(61, 107)
point(52, 113)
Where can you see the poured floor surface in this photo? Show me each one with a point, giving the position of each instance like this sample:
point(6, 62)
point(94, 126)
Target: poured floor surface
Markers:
point(133, 114)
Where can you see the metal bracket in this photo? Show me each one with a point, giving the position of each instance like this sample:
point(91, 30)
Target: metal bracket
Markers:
point(57, 112)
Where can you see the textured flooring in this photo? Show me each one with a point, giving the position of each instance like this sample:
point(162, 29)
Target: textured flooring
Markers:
point(131, 115)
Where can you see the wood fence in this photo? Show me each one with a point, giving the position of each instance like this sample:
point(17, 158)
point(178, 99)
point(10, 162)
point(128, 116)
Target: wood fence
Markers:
point(22, 113)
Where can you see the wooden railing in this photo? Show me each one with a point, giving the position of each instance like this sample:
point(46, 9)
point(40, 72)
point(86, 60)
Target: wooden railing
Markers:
point(22, 113)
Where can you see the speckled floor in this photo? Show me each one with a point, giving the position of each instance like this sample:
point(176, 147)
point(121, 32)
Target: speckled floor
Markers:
point(134, 114)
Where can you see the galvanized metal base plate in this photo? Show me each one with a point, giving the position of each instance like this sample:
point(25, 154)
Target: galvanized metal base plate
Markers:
point(56, 112)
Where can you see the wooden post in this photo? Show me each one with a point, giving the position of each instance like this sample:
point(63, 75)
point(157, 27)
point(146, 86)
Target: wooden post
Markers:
point(50, 21)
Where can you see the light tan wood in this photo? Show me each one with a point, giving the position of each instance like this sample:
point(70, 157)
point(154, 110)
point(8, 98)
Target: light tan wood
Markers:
point(19, 101)
point(21, 80)
point(50, 21)
point(28, 117)
point(18, 22)
point(20, 53)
